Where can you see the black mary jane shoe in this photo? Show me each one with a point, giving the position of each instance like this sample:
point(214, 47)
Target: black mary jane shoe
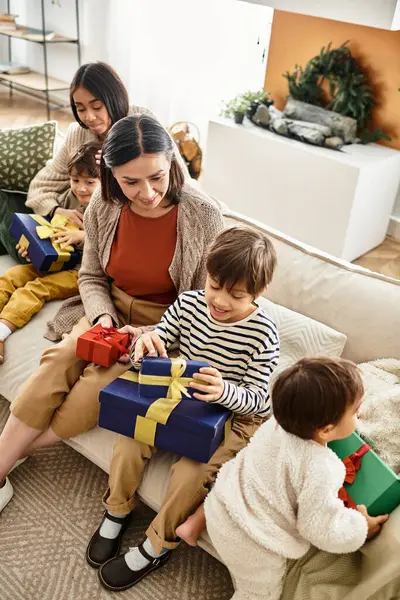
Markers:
point(100, 549)
point(115, 575)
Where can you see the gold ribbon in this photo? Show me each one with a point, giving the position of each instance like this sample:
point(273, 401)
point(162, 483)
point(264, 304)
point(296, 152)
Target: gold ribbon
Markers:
point(160, 410)
point(45, 230)
point(177, 385)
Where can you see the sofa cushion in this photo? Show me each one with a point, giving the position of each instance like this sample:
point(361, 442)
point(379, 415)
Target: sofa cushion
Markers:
point(23, 152)
point(361, 304)
point(301, 336)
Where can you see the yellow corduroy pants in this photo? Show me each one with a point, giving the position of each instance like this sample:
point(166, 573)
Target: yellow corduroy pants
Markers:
point(24, 291)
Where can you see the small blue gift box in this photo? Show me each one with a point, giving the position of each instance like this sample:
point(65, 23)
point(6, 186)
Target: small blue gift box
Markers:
point(157, 374)
point(44, 255)
point(186, 426)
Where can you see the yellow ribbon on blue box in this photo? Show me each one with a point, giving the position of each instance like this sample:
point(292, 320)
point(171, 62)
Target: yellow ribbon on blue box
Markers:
point(44, 230)
point(161, 409)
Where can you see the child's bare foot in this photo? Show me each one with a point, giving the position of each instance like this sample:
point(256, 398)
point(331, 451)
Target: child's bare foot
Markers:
point(191, 529)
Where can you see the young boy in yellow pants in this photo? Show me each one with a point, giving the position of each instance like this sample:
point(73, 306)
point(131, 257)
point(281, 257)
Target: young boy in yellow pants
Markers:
point(23, 290)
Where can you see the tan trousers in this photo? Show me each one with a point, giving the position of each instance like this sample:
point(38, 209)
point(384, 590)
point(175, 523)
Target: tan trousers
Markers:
point(63, 392)
point(188, 486)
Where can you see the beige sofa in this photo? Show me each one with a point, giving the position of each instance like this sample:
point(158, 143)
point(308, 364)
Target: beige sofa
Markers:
point(362, 305)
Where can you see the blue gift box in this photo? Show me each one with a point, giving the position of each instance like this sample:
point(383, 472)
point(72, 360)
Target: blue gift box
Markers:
point(153, 367)
point(42, 253)
point(194, 429)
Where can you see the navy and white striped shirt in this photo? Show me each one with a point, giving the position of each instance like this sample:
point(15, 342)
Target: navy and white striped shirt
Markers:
point(245, 352)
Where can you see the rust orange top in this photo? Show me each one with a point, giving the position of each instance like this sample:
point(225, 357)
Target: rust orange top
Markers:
point(141, 254)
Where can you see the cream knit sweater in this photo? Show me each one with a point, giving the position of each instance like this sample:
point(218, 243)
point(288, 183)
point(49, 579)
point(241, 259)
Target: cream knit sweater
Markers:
point(53, 180)
point(281, 492)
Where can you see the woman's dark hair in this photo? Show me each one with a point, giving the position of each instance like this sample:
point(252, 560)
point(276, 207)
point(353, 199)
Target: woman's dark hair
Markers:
point(104, 84)
point(130, 138)
point(314, 393)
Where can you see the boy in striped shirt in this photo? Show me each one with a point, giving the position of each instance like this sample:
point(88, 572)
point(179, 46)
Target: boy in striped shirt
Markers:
point(224, 326)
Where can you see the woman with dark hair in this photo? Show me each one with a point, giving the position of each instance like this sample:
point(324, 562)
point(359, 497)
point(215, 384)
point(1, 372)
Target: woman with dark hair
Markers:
point(98, 100)
point(147, 233)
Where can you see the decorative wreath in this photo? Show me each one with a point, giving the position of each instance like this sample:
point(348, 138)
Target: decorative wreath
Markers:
point(350, 93)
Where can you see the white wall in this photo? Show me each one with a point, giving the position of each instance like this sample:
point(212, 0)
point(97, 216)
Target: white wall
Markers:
point(384, 14)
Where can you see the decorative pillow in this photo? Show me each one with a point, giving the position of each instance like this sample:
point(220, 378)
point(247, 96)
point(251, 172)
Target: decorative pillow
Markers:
point(301, 336)
point(23, 152)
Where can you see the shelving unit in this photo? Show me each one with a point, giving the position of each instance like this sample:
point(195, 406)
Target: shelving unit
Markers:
point(33, 81)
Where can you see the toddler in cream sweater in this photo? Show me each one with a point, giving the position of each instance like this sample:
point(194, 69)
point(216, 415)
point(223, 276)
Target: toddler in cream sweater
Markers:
point(280, 494)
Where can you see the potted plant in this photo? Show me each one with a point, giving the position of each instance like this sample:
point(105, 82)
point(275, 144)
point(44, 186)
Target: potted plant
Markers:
point(254, 99)
point(236, 108)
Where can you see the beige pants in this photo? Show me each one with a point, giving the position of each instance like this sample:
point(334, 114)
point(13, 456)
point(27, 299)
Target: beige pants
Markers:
point(63, 392)
point(188, 486)
point(257, 573)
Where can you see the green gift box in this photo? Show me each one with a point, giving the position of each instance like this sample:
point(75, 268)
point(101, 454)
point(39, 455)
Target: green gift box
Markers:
point(375, 485)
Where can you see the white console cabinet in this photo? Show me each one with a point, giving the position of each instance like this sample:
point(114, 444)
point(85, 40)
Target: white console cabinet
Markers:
point(339, 202)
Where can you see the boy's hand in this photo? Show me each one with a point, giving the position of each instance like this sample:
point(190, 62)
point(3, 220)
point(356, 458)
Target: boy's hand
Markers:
point(215, 388)
point(23, 252)
point(151, 344)
point(73, 215)
point(374, 523)
point(134, 333)
point(68, 237)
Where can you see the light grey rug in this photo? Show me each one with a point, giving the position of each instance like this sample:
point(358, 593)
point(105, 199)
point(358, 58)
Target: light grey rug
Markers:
point(46, 527)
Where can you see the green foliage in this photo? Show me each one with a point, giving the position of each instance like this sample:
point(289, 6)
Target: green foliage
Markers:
point(368, 137)
point(350, 93)
point(237, 105)
point(251, 97)
point(242, 103)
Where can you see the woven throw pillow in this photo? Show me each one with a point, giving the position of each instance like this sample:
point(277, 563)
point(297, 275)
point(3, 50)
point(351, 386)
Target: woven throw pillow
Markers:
point(23, 152)
point(301, 336)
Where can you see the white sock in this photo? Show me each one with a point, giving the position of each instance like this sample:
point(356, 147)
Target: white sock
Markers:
point(4, 332)
point(109, 529)
point(137, 561)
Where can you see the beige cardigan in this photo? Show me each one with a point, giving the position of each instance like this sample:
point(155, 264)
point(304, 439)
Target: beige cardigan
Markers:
point(199, 221)
point(53, 180)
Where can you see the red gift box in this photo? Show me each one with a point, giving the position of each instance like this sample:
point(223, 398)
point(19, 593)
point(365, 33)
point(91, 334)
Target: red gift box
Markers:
point(102, 345)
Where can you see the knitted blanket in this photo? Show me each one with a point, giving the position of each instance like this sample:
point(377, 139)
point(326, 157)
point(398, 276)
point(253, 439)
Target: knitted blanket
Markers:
point(379, 415)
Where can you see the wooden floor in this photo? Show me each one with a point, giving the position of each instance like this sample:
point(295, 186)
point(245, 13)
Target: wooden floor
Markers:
point(23, 110)
point(384, 259)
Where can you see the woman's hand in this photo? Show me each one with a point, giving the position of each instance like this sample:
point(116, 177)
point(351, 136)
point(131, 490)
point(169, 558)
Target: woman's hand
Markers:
point(68, 237)
point(105, 321)
point(73, 215)
point(212, 389)
point(151, 344)
point(374, 523)
point(22, 251)
point(134, 333)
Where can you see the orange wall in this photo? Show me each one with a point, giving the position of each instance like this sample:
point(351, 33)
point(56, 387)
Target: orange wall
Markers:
point(297, 38)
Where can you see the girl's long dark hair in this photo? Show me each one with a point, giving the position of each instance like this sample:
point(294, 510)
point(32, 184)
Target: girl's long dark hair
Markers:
point(103, 82)
point(128, 139)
